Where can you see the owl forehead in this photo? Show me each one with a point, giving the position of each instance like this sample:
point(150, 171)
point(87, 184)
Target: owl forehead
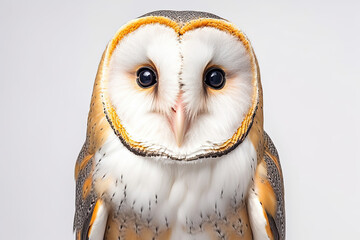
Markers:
point(160, 47)
point(180, 29)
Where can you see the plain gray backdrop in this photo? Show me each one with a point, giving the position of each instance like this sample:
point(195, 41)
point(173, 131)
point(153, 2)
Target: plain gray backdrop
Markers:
point(308, 53)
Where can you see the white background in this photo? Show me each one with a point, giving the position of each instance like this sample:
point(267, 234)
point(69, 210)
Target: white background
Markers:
point(308, 53)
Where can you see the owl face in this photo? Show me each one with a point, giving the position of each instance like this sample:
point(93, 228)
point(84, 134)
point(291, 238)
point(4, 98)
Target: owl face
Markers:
point(183, 91)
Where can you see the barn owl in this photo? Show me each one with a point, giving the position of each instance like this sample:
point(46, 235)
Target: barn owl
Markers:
point(175, 146)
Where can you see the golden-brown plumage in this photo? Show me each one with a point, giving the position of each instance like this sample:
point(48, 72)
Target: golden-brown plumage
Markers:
point(103, 120)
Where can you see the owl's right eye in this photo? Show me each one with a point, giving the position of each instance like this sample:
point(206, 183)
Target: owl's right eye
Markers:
point(146, 77)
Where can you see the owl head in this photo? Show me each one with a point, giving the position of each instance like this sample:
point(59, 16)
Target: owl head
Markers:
point(177, 85)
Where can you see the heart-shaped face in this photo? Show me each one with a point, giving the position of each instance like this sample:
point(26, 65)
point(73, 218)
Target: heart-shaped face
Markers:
point(180, 90)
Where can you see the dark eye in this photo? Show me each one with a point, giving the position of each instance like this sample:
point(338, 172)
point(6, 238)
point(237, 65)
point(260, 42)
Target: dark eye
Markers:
point(215, 78)
point(145, 77)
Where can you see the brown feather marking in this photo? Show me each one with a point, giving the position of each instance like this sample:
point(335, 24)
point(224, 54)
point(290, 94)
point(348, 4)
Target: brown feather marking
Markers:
point(98, 128)
point(265, 194)
point(270, 190)
point(239, 230)
point(80, 165)
point(94, 215)
point(87, 187)
point(267, 227)
point(264, 189)
point(112, 229)
point(256, 133)
point(275, 160)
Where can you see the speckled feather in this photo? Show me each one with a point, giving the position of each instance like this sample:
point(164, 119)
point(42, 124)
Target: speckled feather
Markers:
point(84, 207)
point(182, 16)
point(276, 180)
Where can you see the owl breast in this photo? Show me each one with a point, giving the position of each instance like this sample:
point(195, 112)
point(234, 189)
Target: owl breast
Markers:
point(155, 198)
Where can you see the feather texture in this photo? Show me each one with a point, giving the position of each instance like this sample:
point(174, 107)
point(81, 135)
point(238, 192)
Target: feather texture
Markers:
point(133, 178)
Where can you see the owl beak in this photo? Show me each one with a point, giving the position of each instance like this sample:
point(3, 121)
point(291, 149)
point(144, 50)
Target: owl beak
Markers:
point(179, 121)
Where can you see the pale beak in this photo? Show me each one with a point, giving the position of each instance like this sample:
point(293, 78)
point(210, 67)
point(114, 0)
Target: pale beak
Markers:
point(179, 121)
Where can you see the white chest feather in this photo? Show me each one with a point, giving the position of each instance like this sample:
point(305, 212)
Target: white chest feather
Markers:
point(160, 193)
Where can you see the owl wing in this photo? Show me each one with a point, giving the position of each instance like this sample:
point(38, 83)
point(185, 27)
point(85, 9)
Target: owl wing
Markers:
point(90, 213)
point(266, 197)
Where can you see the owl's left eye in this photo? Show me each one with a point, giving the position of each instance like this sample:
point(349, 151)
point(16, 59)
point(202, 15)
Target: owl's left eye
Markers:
point(146, 77)
point(215, 78)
